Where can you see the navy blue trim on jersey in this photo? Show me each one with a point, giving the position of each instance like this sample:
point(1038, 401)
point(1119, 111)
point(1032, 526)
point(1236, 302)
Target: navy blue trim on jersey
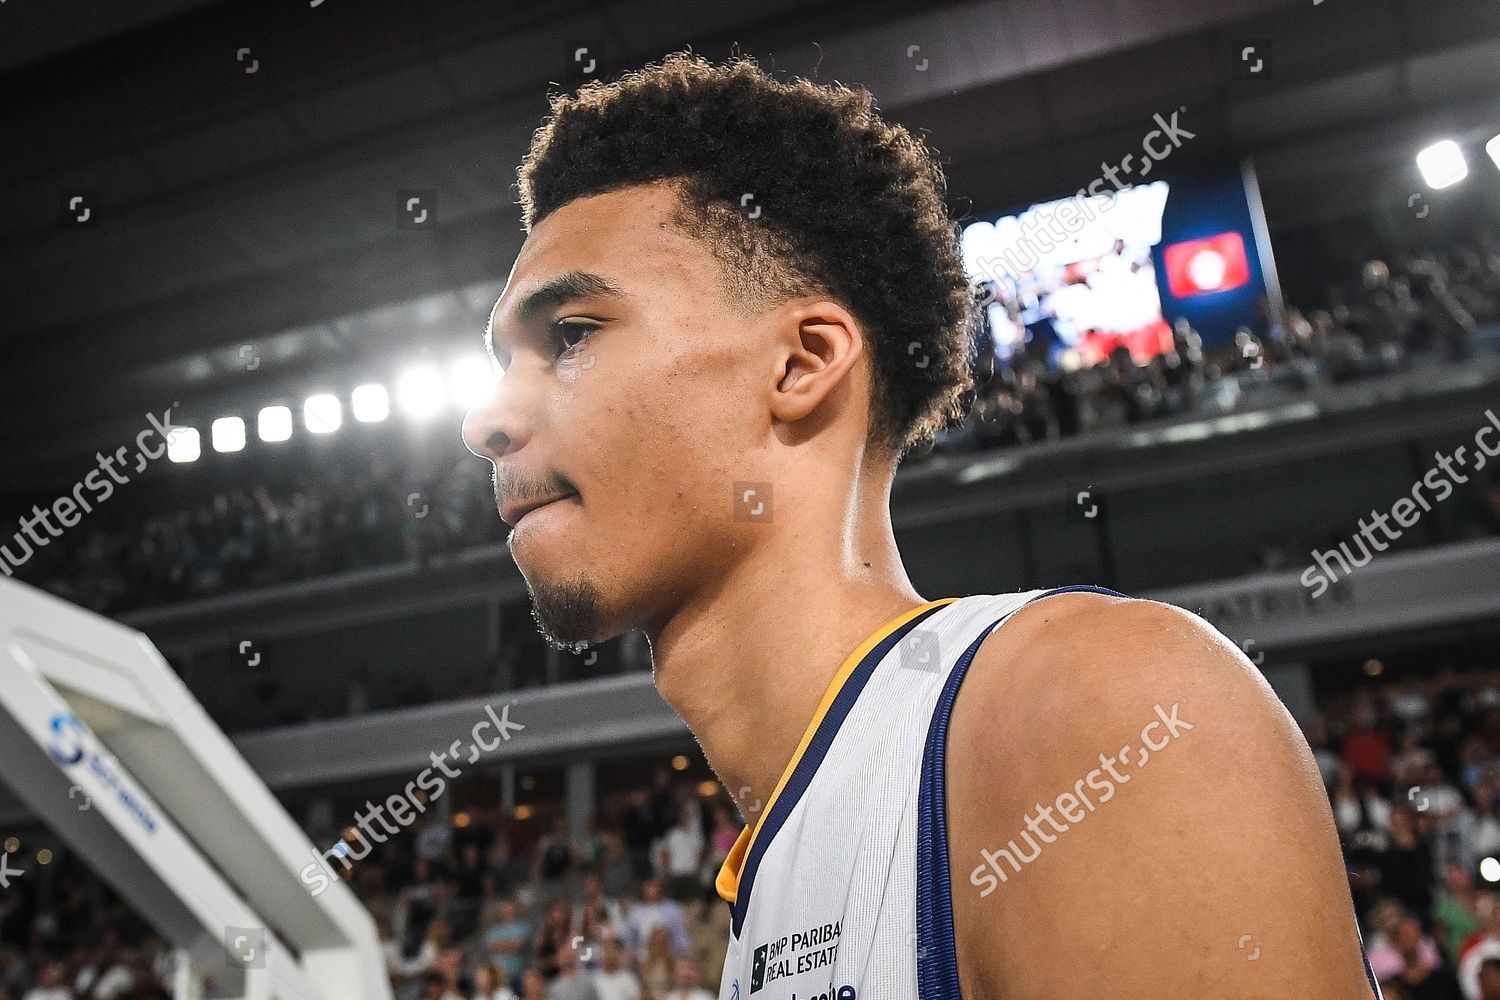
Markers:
point(807, 764)
point(937, 951)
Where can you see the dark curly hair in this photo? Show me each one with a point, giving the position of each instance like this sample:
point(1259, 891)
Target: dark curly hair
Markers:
point(850, 206)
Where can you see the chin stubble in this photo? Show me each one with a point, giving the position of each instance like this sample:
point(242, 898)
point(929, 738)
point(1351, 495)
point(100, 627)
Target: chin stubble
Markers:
point(567, 614)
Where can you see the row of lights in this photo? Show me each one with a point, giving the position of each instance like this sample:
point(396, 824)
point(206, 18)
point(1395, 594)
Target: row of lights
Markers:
point(1443, 164)
point(421, 392)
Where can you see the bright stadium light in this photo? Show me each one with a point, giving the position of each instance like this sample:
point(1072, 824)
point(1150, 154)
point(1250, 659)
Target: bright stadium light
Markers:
point(371, 403)
point(183, 444)
point(420, 391)
point(274, 423)
point(1442, 164)
point(322, 413)
point(469, 378)
point(1493, 148)
point(228, 434)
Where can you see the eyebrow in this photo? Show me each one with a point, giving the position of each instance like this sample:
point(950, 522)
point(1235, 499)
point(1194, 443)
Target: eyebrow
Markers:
point(565, 287)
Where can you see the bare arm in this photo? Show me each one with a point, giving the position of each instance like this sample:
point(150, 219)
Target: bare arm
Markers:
point(1172, 836)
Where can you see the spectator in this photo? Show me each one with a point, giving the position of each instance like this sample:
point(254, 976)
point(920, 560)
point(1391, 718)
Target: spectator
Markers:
point(571, 982)
point(654, 913)
point(614, 980)
point(533, 984)
point(505, 942)
point(490, 983)
point(551, 938)
point(682, 855)
point(554, 858)
point(49, 985)
point(688, 983)
point(1406, 866)
point(1453, 912)
point(1422, 975)
point(659, 967)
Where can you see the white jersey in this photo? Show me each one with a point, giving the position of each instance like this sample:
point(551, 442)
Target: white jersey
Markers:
point(841, 890)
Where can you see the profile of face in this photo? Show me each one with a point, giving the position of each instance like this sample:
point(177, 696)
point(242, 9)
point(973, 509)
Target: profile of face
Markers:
point(636, 393)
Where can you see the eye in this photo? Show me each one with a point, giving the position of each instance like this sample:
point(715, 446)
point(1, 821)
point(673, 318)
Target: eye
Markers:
point(569, 335)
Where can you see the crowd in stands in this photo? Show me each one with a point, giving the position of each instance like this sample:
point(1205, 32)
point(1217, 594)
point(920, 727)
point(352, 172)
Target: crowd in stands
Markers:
point(1429, 304)
point(347, 511)
point(1413, 774)
point(470, 909)
point(464, 912)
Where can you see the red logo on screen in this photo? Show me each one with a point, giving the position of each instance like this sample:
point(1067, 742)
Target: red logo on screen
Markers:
point(1214, 264)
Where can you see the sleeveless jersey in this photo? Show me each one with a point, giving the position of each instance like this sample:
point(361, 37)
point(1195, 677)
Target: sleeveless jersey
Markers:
point(841, 889)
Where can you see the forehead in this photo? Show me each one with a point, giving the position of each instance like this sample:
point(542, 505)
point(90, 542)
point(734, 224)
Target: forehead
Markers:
point(626, 236)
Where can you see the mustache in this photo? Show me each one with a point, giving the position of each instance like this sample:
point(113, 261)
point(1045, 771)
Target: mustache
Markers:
point(513, 485)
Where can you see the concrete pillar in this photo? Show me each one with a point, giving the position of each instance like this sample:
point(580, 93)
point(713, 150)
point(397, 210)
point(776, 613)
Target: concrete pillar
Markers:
point(578, 791)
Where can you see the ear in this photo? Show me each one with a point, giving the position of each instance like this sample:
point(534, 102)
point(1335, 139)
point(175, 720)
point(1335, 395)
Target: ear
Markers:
point(822, 344)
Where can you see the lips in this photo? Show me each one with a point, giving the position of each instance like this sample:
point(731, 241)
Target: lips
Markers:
point(512, 513)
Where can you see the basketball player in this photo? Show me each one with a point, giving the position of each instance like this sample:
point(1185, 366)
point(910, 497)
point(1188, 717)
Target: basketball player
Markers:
point(738, 304)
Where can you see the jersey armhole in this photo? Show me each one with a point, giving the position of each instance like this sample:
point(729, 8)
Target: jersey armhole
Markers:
point(937, 948)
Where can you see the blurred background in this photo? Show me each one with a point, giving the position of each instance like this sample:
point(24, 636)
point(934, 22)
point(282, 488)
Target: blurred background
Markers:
point(284, 223)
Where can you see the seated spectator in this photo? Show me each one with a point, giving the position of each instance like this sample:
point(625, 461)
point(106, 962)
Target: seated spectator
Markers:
point(659, 967)
point(653, 912)
point(1422, 975)
point(571, 981)
point(435, 987)
point(1481, 946)
point(49, 984)
point(615, 980)
point(506, 942)
point(490, 983)
point(551, 938)
point(688, 983)
point(533, 984)
point(1389, 955)
point(1453, 912)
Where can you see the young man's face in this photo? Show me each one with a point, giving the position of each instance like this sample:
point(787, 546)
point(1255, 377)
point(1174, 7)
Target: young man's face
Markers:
point(651, 420)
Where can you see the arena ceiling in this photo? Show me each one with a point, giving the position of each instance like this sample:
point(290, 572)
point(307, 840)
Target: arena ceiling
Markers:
point(242, 162)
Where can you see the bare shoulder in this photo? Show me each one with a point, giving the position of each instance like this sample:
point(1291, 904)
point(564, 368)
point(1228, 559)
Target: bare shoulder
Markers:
point(1122, 780)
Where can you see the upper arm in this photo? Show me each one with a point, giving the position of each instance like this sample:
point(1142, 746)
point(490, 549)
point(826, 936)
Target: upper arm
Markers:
point(1179, 839)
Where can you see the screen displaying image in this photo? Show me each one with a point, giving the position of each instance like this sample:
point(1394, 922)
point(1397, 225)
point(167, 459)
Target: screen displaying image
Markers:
point(1069, 281)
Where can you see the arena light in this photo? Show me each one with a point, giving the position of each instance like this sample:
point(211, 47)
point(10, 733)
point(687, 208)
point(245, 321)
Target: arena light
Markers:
point(227, 434)
point(419, 391)
point(1493, 148)
point(322, 413)
point(371, 403)
point(1442, 164)
point(469, 378)
point(183, 444)
point(274, 423)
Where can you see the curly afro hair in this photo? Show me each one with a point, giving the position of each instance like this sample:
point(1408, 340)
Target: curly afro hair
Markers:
point(850, 206)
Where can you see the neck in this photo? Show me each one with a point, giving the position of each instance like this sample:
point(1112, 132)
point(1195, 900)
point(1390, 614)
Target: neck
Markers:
point(747, 663)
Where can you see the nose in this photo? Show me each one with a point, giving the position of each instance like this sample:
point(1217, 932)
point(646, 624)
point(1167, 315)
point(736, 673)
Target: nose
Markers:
point(495, 425)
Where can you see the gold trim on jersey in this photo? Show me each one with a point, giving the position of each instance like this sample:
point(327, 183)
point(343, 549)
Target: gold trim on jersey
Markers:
point(728, 881)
